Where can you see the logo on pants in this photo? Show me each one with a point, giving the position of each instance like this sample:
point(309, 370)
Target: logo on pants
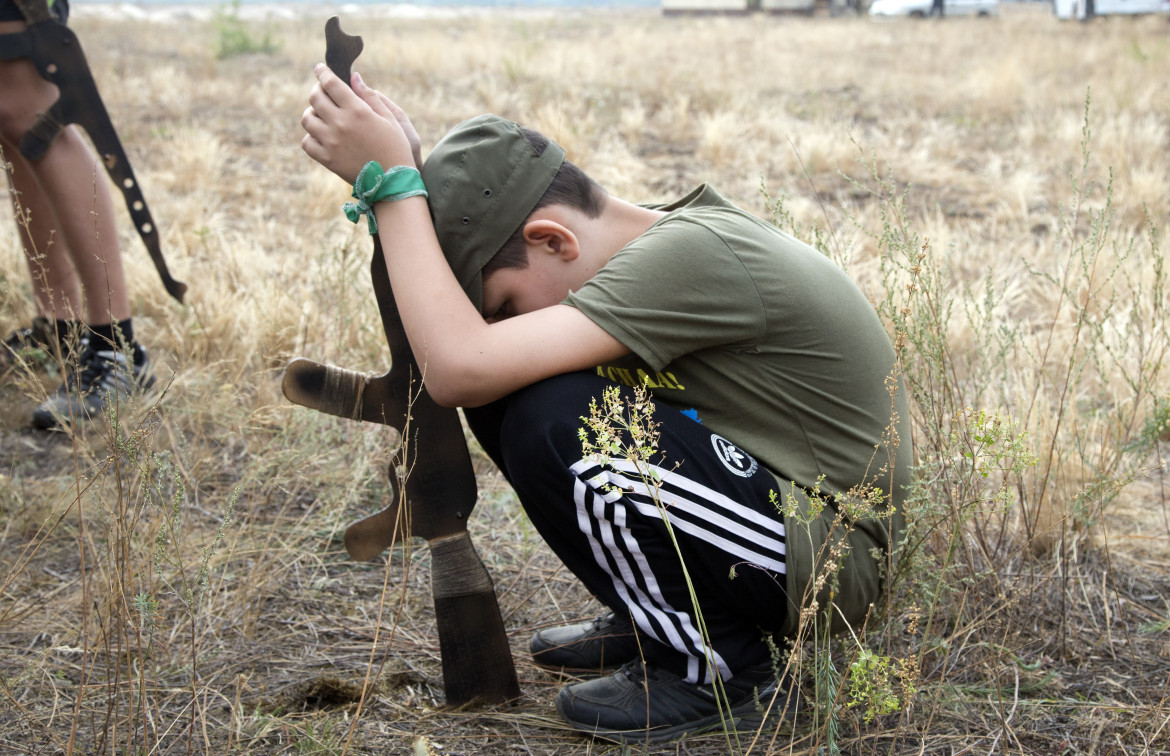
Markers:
point(734, 459)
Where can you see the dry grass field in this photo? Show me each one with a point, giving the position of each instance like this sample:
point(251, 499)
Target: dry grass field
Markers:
point(172, 579)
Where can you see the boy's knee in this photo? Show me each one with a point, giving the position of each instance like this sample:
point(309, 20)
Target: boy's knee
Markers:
point(543, 418)
point(554, 401)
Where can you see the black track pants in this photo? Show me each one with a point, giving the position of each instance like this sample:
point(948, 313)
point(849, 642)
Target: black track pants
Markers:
point(609, 526)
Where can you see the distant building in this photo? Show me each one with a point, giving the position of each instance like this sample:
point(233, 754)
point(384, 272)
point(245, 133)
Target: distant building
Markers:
point(788, 6)
point(673, 7)
point(1086, 9)
point(695, 7)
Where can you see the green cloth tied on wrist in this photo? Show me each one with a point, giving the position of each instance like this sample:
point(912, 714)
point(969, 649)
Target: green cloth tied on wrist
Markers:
point(373, 185)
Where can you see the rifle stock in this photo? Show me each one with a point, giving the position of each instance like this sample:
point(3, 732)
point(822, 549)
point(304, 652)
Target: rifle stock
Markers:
point(477, 663)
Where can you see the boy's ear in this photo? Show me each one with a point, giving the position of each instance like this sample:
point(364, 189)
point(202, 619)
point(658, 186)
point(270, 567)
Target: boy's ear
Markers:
point(547, 235)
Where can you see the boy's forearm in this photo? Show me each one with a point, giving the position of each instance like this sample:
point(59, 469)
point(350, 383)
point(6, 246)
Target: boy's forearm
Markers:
point(442, 325)
point(466, 361)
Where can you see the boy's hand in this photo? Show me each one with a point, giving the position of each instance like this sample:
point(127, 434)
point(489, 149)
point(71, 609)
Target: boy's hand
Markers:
point(346, 128)
point(399, 115)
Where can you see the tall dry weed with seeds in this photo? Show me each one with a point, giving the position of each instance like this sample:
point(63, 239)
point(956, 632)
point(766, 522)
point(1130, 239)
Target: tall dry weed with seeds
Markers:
point(1025, 438)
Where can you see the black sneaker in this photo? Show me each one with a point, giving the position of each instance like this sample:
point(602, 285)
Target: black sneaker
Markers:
point(103, 376)
point(606, 642)
point(646, 704)
point(37, 344)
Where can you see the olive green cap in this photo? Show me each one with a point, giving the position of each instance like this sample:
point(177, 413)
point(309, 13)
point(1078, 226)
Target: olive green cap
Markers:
point(483, 179)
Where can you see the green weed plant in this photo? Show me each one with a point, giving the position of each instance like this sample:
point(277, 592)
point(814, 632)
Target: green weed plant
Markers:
point(235, 36)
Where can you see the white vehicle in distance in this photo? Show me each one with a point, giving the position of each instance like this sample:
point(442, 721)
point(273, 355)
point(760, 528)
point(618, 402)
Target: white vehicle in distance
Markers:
point(923, 8)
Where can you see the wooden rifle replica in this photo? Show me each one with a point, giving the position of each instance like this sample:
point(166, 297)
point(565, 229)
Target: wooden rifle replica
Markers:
point(56, 52)
point(436, 485)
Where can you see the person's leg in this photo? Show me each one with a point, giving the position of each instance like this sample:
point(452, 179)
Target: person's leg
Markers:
point(689, 547)
point(72, 182)
point(55, 329)
point(56, 288)
point(112, 365)
point(610, 528)
point(72, 178)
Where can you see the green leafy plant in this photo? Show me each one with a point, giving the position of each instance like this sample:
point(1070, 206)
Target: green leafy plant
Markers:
point(235, 36)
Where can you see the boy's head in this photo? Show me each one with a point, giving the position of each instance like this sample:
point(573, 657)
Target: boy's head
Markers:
point(484, 179)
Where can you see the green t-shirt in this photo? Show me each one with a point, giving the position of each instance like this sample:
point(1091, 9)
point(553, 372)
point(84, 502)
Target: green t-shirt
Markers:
point(771, 345)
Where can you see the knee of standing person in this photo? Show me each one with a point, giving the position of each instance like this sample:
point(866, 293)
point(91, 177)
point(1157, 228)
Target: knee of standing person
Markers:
point(23, 96)
point(13, 125)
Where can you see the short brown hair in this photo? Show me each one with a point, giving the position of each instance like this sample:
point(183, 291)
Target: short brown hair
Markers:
point(570, 187)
